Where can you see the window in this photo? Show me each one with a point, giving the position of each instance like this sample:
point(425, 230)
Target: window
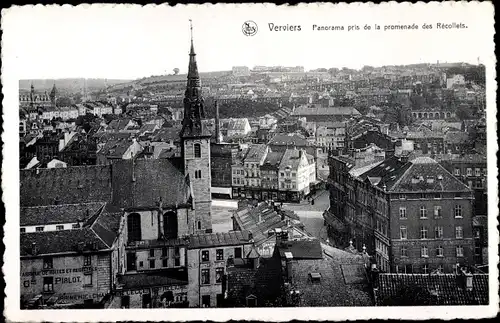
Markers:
point(59, 227)
point(177, 252)
point(205, 301)
point(219, 254)
point(439, 232)
point(402, 212)
point(125, 302)
point(134, 227)
point(48, 284)
point(47, 263)
point(423, 212)
point(403, 232)
point(164, 262)
point(457, 172)
point(439, 251)
point(219, 272)
point(177, 262)
point(199, 225)
point(39, 229)
point(469, 171)
point(477, 172)
point(477, 234)
point(151, 253)
point(251, 301)
point(87, 279)
point(152, 263)
point(164, 252)
point(440, 269)
point(424, 252)
point(131, 261)
point(460, 251)
point(459, 233)
point(87, 260)
point(404, 251)
point(437, 211)
point(205, 276)
point(458, 211)
point(197, 150)
point(237, 252)
point(197, 174)
point(425, 269)
point(423, 233)
point(205, 256)
point(23, 230)
point(141, 264)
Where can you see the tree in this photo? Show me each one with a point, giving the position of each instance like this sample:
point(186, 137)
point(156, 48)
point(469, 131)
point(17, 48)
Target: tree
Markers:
point(176, 71)
point(64, 101)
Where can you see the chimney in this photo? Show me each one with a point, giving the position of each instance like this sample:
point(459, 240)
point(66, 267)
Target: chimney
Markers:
point(468, 282)
point(289, 265)
point(250, 237)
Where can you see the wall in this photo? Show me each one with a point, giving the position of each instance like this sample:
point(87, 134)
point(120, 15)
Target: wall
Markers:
point(195, 265)
point(201, 186)
point(68, 277)
point(448, 242)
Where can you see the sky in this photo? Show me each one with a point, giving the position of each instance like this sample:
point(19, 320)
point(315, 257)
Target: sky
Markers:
point(128, 42)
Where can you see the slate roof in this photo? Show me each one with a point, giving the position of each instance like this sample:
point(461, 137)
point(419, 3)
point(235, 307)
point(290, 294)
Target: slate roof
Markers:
point(291, 158)
point(219, 239)
point(399, 176)
point(281, 139)
point(263, 282)
point(301, 249)
point(116, 148)
point(167, 134)
point(52, 214)
point(165, 277)
point(456, 137)
point(70, 185)
point(154, 179)
point(255, 153)
point(141, 183)
point(447, 289)
point(306, 111)
point(273, 159)
point(248, 219)
point(339, 285)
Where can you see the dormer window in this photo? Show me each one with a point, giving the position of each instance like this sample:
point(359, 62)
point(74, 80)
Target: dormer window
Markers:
point(315, 278)
point(251, 300)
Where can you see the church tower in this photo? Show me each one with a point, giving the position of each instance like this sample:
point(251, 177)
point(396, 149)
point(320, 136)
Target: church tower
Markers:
point(195, 147)
point(53, 95)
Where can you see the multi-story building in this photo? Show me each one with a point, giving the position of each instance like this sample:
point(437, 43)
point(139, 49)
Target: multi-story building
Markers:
point(297, 170)
point(331, 136)
point(269, 175)
point(223, 156)
point(252, 163)
point(414, 216)
point(78, 267)
point(207, 256)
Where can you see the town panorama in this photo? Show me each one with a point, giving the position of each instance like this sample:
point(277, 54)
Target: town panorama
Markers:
point(255, 187)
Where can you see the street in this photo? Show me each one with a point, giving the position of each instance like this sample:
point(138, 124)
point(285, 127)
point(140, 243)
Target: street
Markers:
point(312, 215)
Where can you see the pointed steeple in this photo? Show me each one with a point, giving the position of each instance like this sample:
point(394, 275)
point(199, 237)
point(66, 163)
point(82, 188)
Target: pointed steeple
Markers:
point(32, 94)
point(53, 94)
point(194, 111)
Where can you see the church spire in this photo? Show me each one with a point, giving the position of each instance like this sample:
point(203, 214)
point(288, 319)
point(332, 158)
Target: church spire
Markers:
point(194, 110)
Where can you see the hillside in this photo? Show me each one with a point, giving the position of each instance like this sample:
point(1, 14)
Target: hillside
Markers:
point(68, 85)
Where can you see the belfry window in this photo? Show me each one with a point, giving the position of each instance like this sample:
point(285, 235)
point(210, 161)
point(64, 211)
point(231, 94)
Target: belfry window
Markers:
point(197, 150)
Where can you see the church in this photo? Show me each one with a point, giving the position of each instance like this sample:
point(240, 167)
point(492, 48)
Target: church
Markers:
point(151, 211)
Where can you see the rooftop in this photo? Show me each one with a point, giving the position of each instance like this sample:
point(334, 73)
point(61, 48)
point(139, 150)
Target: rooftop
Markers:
point(434, 289)
point(219, 239)
point(52, 214)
